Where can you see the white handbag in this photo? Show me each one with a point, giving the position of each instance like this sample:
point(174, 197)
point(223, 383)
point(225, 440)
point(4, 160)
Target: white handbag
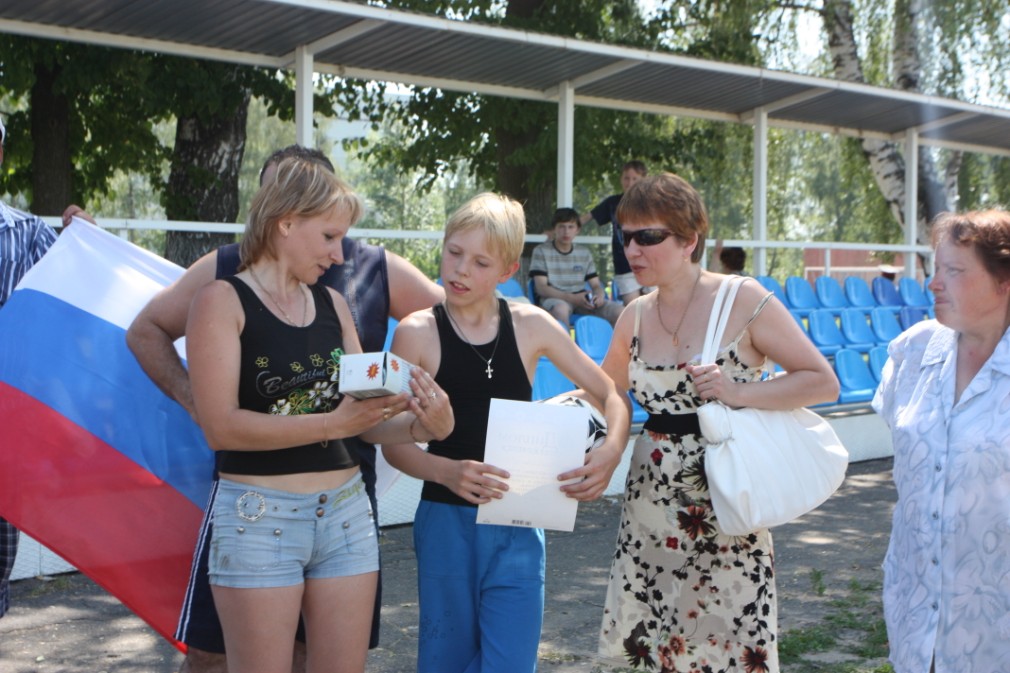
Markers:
point(764, 467)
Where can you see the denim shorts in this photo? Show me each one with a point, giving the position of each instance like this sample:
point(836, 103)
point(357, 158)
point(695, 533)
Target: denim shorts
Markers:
point(269, 538)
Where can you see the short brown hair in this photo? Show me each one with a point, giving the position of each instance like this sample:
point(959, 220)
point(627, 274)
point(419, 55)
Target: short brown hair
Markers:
point(301, 188)
point(986, 232)
point(669, 200)
point(635, 165)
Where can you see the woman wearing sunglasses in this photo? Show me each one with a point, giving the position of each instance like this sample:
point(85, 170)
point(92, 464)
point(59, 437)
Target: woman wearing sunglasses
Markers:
point(683, 595)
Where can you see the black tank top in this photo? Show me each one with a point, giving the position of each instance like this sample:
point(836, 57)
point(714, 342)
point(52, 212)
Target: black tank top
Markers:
point(363, 281)
point(463, 376)
point(288, 371)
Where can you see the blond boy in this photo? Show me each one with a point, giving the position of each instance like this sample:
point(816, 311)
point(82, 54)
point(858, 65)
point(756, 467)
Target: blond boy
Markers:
point(481, 588)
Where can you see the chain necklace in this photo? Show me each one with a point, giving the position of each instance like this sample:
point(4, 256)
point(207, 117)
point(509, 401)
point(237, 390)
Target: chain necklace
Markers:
point(305, 301)
point(659, 311)
point(487, 361)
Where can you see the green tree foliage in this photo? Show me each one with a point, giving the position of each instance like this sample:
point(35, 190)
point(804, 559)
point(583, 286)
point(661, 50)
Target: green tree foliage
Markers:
point(829, 191)
point(92, 106)
point(395, 203)
point(81, 112)
point(512, 144)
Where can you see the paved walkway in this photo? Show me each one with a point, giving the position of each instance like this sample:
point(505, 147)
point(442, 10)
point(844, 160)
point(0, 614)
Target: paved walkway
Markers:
point(67, 624)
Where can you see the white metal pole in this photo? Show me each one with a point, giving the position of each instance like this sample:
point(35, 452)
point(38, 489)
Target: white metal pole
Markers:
point(760, 190)
point(303, 97)
point(566, 143)
point(911, 197)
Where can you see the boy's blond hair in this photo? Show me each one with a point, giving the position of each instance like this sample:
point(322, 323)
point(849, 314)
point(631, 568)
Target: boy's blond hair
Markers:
point(499, 217)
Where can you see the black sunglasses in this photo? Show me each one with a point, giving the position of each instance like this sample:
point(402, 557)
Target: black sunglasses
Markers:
point(645, 237)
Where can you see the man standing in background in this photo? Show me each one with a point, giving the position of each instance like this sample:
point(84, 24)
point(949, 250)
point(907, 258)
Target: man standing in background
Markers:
point(24, 239)
point(606, 213)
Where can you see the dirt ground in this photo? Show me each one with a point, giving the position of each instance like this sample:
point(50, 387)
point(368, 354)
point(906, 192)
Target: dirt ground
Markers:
point(828, 567)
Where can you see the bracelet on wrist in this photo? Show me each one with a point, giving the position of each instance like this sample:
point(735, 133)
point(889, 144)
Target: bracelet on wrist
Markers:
point(413, 436)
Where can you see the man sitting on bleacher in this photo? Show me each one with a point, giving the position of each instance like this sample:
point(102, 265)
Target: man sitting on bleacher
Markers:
point(561, 271)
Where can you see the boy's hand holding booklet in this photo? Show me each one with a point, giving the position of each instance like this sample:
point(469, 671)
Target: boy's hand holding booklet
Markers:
point(534, 443)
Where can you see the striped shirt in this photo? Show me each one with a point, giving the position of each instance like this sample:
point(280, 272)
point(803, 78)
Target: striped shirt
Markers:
point(24, 238)
point(566, 271)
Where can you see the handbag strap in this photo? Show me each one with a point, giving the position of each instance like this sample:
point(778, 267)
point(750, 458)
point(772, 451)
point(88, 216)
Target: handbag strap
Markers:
point(719, 317)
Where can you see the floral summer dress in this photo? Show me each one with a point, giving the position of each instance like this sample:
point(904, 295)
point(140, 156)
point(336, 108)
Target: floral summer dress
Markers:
point(683, 595)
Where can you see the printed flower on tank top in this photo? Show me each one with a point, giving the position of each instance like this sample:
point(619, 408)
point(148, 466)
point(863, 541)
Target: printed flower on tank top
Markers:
point(318, 397)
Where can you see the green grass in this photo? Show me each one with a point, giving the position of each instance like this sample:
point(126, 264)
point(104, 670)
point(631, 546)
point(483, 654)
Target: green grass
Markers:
point(50, 585)
point(817, 581)
point(853, 622)
point(797, 642)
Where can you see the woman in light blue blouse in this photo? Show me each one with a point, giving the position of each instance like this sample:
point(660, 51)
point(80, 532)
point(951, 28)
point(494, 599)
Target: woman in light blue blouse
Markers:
point(945, 393)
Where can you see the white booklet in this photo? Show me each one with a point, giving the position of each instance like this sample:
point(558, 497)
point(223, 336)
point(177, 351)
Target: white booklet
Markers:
point(534, 443)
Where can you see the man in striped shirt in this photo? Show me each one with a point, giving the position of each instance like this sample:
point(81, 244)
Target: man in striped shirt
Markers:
point(24, 238)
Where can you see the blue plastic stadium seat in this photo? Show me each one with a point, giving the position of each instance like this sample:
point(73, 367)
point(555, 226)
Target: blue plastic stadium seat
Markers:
point(858, 293)
point(856, 330)
point(772, 285)
point(390, 328)
point(548, 381)
point(885, 293)
point(511, 288)
point(830, 293)
point(909, 315)
point(615, 294)
point(593, 335)
point(878, 358)
point(911, 293)
point(885, 325)
point(927, 291)
point(801, 296)
point(857, 383)
point(638, 414)
point(824, 332)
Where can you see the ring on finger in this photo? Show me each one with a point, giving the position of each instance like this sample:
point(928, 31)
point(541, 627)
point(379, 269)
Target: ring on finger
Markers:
point(432, 395)
point(385, 413)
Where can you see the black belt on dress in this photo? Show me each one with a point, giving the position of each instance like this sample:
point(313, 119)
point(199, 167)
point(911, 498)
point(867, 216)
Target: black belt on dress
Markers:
point(674, 424)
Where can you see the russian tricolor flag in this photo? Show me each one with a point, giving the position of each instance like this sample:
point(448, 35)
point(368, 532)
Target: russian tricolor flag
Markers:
point(95, 462)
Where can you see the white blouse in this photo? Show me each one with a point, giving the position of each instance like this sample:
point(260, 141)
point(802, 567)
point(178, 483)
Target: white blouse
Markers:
point(947, 568)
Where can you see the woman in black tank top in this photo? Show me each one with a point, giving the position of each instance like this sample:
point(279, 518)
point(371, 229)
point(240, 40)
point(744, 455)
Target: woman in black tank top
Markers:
point(264, 349)
point(484, 584)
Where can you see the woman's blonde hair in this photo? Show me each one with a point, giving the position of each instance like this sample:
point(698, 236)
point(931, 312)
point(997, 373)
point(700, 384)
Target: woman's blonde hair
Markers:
point(669, 200)
point(299, 187)
point(499, 217)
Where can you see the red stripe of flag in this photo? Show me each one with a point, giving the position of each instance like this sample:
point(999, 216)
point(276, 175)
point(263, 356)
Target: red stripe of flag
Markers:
point(129, 531)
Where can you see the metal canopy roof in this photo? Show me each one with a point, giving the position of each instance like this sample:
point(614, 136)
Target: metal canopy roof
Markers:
point(354, 40)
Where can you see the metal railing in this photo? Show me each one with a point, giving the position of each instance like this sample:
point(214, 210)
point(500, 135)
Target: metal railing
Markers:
point(123, 227)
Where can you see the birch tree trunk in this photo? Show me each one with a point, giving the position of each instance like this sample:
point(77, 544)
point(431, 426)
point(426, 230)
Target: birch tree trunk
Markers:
point(885, 160)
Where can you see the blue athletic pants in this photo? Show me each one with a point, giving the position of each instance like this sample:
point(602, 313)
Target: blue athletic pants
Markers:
point(481, 592)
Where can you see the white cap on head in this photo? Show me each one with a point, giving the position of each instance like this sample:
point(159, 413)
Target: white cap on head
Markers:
point(889, 268)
